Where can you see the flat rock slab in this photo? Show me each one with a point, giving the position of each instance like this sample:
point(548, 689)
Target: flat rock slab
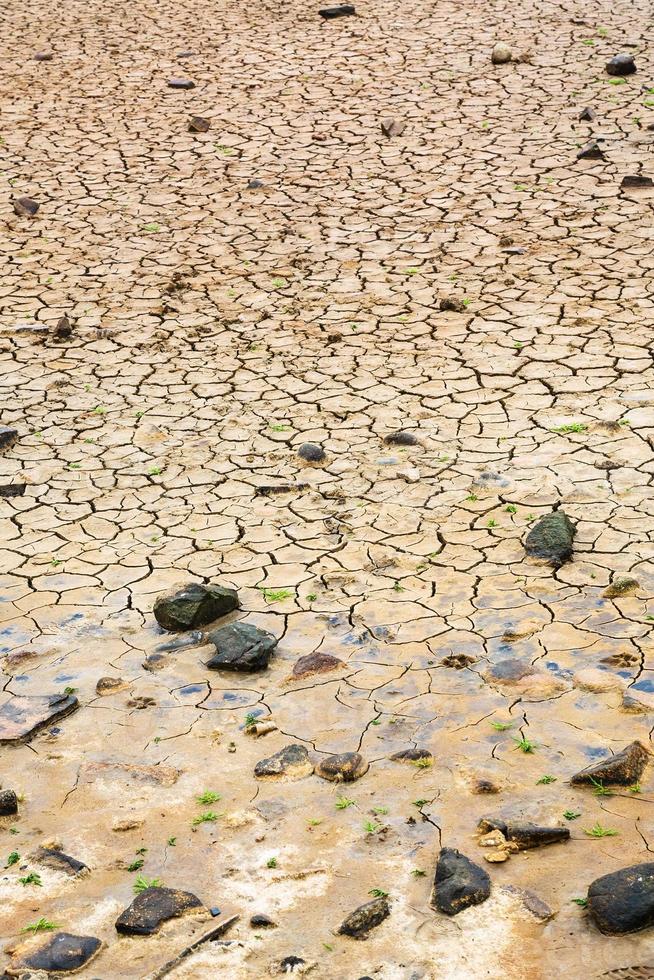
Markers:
point(623, 769)
point(623, 901)
point(551, 539)
point(22, 717)
point(241, 647)
point(54, 857)
point(523, 834)
point(291, 762)
point(366, 917)
point(91, 772)
point(60, 952)
point(153, 907)
point(458, 883)
point(194, 605)
point(315, 663)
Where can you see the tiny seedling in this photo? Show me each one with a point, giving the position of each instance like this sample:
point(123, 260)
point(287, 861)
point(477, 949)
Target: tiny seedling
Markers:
point(328, 947)
point(208, 817)
point(141, 850)
point(31, 879)
point(41, 925)
point(635, 788)
point(208, 797)
point(276, 595)
point(342, 803)
point(56, 562)
point(418, 873)
point(380, 809)
point(420, 803)
point(571, 814)
point(271, 862)
point(501, 726)
point(525, 745)
point(172, 841)
point(314, 823)
point(13, 858)
point(312, 597)
point(598, 831)
point(99, 410)
point(472, 498)
point(423, 763)
point(511, 509)
point(155, 471)
point(581, 902)
point(378, 893)
point(571, 427)
point(279, 427)
point(371, 827)
point(492, 523)
point(250, 720)
point(376, 721)
point(600, 789)
point(544, 780)
point(398, 588)
point(153, 226)
point(136, 865)
point(142, 883)
point(70, 690)
point(279, 283)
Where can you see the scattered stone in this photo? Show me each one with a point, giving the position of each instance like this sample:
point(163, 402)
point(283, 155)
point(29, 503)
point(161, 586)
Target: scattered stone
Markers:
point(12, 490)
point(22, 717)
point(343, 768)
point(515, 250)
point(311, 453)
point(63, 329)
point(261, 728)
point(587, 115)
point(366, 917)
point(315, 663)
point(52, 856)
point(411, 755)
point(43, 56)
point(122, 826)
point(514, 633)
point(260, 921)
point(501, 53)
point(181, 83)
point(591, 151)
point(538, 908)
point(623, 769)
point(620, 587)
point(597, 681)
point(623, 901)
point(8, 802)
point(154, 906)
point(524, 835)
point(482, 786)
point(158, 775)
point(621, 64)
point(636, 182)
point(288, 964)
point(267, 489)
point(192, 639)
point(241, 647)
point(393, 127)
point(190, 606)
point(458, 883)
point(25, 207)
point(198, 124)
point(551, 539)
point(343, 10)
point(291, 762)
point(8, 437)
point(255, 184)
point(453, 304)
point(401, 438)
point(497, 857)
point(58, 952)
point(110, 685)
point(489, 479)
point(459, 661)
point(633, 706)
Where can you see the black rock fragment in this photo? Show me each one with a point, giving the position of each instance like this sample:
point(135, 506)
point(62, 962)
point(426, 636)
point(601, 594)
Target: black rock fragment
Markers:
point(623, 901)
point(623, 769)
point(401, 438)
point(591, 151)
point(8, 436)
point(198, 124)
point(181, 83)
point(63, 329)
point(587, 115)
point(291, 762)
point(622, 64)
point(8, 802)
point(343, 10)
point(25, 207)
point(194, 605)
point(393, 127)
point(43, 56)
point(458, 883)
point(366, 917)
point(551, 538)
point(12, 490)
point(241, 647)
point(54, 857)
point(57, 953)
point(635, 182)
point(311, 453)
point(260, 921)
point(154, 906)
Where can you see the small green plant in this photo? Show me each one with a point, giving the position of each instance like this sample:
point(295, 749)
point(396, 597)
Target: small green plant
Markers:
point(571, 814)
point(511, 509)
point(492, 523)
point(141, 850)
point(208, 817)
point(250, 720)
point(171, 842)
point(224, 150)
point(276, 595)
point(142, 883)
point(412, 272)
point(418, 873)
point(314, 823)
point(570, 427)
point(328, 947)
point(544, 780)
point(342, 803)
point(376, 721)
point(600, 789)
point(529, 518)
point(155, 471)
point(208, 797)
point(41, 925)
point(525, 745)
point(419, 803)
point(279, 427)
point(382, 810)
point(472, 498)
point(70, 690)
point(501, 726)
point(13, 858)
point(378, 893)
point(271, 862)
point(371, 827)
point(598, 831)
point(312, 597)
point(635, 788)
point(588, 41)
point(56, 562)
point(153, 226)
point(99, 410)
point(581, 902)
point(279, 282)
point(74, 466)
point(136, 865)
point(397, 587)
point(425, 763)
point(31, 879)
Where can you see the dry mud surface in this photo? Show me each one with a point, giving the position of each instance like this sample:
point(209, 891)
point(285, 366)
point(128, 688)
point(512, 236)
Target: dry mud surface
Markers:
point(215, 328)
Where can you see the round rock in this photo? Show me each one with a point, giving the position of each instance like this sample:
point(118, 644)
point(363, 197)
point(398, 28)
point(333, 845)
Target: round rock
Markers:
point(343, 768)
point(191, 606)
point(501, 53)
point(622, 64)
point(311, 453)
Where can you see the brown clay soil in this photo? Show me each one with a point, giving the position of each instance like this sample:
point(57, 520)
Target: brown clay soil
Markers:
point(216, 327)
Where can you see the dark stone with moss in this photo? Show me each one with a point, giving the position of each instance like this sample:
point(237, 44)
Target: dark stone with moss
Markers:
point(623, 901)
point(343, 768)
point(291, 762)
point(194, 605)
point(58, 953)
point(621, 588)
point(359, 923)
point(241, 647)
point(411, 755)
point(8, 803)
point(153, 907)
point(551, 538)
point(459, 883)
point(623, 769)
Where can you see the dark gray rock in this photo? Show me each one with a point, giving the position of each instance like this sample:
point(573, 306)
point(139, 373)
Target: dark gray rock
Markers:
point(623, 901)
point(622, 64)
point(591, 151)
point(411, 755)
point(366, 917)
point(22, 717)
point(198, 124)
point(255, 184)
point(110, 685)
point(8, 803)
point(154, 906)
point(43, 56)
point(63, 329)
point(345, 767)
point(523, 834)
point(401, 438)
point(180, 83)
point(8, 436)
point(25, 207)
point(291, 762)
point(393, 127)
point(623, 769)
point(12, 490)
point(343, 10)
point(452, 304)
point(458, 883)
point(53, 857)
point(551, 538)
point(587, 115)
point(260, 921)
point(636, 182)
point(241, 647)
point(311, 453)
point(60, 952)
point(191, 606)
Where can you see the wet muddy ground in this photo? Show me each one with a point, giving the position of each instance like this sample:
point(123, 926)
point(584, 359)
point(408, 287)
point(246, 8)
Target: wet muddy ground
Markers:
point(219, 325)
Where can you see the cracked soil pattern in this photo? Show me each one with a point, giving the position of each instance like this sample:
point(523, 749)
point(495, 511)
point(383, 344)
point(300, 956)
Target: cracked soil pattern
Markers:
point(216, 328)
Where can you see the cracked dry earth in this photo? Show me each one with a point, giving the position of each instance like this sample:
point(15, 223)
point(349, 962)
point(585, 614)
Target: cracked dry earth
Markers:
point(216, 327)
